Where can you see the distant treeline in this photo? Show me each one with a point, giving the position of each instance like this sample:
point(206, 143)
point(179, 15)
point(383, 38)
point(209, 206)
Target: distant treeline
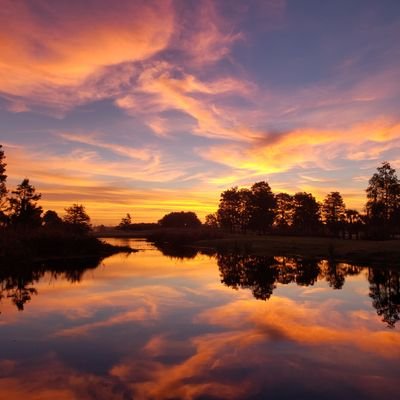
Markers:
point(259, 209)
point(240, 210)
point(19, 208)
point(27, 233)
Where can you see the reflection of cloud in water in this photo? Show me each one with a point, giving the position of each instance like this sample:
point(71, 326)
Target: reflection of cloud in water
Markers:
point(142, 314)
point(314, 291)
point(264, 347)
point(168, 329)
point(50, 379)
point(305, 324)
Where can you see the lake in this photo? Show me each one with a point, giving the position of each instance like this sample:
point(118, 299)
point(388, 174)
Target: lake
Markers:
point(194, 326)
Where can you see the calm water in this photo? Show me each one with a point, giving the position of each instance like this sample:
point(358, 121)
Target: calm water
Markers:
point(149, 326)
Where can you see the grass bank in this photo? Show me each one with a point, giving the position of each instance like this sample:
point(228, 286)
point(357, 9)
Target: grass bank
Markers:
point(361, 251)
point(212, 241)
point(41, 244)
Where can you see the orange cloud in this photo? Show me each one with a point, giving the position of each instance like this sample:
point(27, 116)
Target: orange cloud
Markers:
point(109, 189)
point(61, 44)
point(159, 90)
point(210, 37)
point(309, 147)
point(301, 149)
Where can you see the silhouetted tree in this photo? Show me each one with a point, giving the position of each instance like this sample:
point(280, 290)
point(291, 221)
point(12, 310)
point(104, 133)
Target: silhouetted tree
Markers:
point(353, 222)
point(77, 218)
point(306, 215)
point(233, 212)
point(245, 209)
point(126, 222)
point(262, 207)
point(333, 211)
point(180, 220)
point(23, 206)
point(3, 187)
point(383, 193)
point(211, 220)
point(52, 220)
point(284, 211)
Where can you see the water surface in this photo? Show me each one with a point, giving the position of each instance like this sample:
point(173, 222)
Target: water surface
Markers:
point(150, 326)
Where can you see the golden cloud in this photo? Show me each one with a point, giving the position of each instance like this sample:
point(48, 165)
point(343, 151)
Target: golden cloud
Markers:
point(61, 44)
point(307, 148)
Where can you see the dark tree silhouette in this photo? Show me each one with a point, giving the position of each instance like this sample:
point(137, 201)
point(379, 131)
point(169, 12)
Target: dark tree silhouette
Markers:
point(126, 223)
point(211, 220)
point(353, 223)
point(333, 211)
point(383, 193)
point(284, 211)
point(230, 212)
point(306, 216)
point(23, 205)
point(262, 207)
point(77, 219)
point(181, 219)
point(52, 220)
point(241, 209)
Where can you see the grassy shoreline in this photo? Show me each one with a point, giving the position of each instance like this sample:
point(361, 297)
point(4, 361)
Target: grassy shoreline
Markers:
point(352, 251)
point(39, 246)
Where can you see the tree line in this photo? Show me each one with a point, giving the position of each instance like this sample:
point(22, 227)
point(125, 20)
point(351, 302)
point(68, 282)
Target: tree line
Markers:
point(258, 209)
point(19, 208)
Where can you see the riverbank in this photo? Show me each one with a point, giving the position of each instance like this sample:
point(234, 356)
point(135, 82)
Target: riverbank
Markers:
point(213, 241)
point(18, 247)
point(352, 251)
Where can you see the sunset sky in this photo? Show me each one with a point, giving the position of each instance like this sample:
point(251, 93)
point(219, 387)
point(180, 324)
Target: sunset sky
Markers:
point(149, 107)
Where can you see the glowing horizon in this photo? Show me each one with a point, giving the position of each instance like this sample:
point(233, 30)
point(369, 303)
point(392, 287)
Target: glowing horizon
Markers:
point(149, 107)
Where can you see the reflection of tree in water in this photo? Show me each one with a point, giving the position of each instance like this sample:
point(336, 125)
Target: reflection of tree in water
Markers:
point(304, 272)
point(335, 273)
point(17, 281)
point(250, 272)
point(176, 251)
point(385, 293)
point(18, 292)
point(261, 274)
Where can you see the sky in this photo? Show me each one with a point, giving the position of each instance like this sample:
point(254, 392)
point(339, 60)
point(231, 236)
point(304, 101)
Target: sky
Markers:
point(149, 107)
